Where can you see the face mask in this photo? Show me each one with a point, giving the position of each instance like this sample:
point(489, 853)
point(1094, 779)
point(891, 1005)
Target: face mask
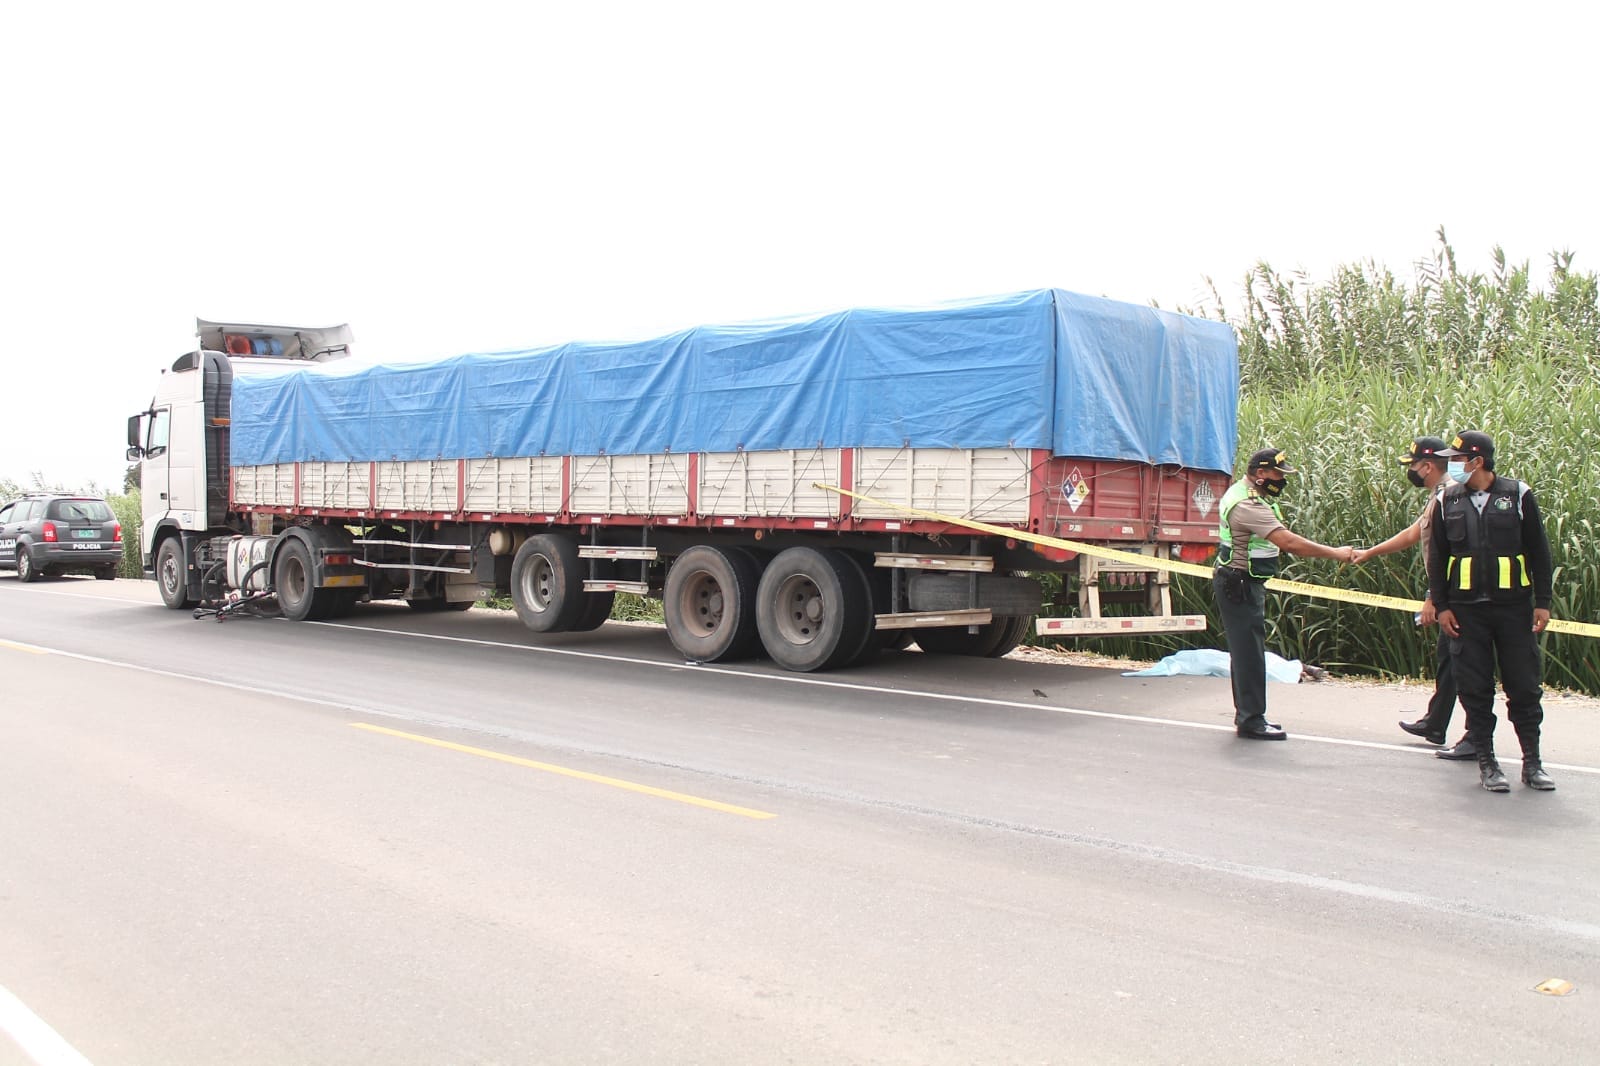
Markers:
point(1457, 471)
point(1416, 479)
point(1270, 488)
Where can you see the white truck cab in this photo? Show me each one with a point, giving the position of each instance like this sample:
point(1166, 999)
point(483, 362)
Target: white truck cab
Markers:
point(181, 440)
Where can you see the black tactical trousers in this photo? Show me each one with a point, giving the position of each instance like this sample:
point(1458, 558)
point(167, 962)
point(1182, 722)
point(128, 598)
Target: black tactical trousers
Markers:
point(1245, 622)
point(1498, 633)
point(1443, 704)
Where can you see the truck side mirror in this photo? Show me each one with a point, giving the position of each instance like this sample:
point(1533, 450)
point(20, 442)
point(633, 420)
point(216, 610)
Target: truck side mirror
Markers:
point(134, 449)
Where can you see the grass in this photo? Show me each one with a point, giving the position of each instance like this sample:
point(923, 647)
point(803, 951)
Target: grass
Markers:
point(1343, 374)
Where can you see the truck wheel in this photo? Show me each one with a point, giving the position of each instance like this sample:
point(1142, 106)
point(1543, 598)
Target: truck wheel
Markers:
point(880, 581)
point(876, 583)
point(596, 610)
point(428, 604)
point(170, 577)
point(547, 583)
point(709, 604)
point(294, 578)
point(25, 568)
point(813, 610)
point(895, 639)
point(344, 602)
point(992, 640)
point(1018, 631)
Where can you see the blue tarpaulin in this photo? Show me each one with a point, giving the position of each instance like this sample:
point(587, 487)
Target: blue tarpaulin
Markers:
point(1078, 375)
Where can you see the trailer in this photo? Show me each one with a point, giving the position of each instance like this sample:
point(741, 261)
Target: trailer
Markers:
point(701, 469)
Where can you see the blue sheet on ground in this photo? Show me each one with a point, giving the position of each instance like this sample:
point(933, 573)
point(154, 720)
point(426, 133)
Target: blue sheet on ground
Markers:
point(1211, 662)
point(1079, 375)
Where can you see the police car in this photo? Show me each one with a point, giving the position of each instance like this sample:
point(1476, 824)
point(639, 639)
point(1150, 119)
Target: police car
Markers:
point(56, 533)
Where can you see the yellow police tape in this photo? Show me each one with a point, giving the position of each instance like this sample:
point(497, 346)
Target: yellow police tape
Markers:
point(1178, 566)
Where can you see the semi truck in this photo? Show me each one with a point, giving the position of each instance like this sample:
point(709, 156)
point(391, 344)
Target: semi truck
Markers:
point(281, 474)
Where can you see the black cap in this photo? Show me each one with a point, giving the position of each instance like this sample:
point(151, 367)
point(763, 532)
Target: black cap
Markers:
point(1424, 448)
point(1269, 459)
point(1470, 444)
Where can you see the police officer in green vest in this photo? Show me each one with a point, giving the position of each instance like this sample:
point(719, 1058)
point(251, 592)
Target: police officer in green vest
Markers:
point(1253, 534)
point(1491, 577)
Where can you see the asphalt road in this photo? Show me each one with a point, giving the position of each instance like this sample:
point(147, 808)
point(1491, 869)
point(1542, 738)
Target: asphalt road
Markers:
point(433, 839)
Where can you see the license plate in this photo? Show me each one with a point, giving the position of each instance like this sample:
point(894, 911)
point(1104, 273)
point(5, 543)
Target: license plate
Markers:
point(86, 534)
point(85, 547)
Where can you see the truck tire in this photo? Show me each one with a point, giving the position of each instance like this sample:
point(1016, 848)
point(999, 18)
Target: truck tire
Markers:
point(991, 641)
point(429, 604)
point(596, 611)
point(171, 577)
point(294, 578)
point(877, 585)
point(880, 581)
point(709, 604)
point(1021, 625)
point(1002, 594)
point(344, 603)
point(547, 583)
point(813, 610)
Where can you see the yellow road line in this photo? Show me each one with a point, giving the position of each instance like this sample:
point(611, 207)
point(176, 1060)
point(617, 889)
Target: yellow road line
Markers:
point(29, 648)
point(1176, 566)
point(551, 768)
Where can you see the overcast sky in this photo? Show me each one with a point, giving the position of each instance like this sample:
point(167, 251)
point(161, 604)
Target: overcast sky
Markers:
point(466, 177)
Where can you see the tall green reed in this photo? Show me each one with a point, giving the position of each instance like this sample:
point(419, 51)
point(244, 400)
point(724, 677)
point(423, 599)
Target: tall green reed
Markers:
point(1342, 374)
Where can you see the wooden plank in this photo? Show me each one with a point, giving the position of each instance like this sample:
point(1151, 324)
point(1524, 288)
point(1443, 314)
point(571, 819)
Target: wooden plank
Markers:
point(638, 588)
point(602, 551)
point(930, 619)
point(1107, 627)
point(907, 561)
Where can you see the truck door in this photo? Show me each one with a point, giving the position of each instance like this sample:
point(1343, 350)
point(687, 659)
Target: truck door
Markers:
point(186, 463)
point(154, 472)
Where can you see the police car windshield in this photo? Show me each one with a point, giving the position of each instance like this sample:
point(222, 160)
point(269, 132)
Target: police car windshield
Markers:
point(80, 510)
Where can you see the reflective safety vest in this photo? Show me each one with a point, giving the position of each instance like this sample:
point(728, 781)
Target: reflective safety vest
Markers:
point(1263, 553)
point(1486, 551)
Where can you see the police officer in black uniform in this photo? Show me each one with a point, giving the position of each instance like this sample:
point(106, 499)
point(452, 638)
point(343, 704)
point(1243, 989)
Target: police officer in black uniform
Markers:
point(1425, 469)
point(1490, 575)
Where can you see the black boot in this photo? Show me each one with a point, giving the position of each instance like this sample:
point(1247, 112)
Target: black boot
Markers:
point(1533, 774)
point(1489, 775)
point(1424, 729)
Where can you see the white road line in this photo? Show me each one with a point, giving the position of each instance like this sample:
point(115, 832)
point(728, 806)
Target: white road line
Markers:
point(787, 679)
point(948, 697)
point(259, 690)
point(37, 1040)
point(1268, 874)
point(113, 599)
